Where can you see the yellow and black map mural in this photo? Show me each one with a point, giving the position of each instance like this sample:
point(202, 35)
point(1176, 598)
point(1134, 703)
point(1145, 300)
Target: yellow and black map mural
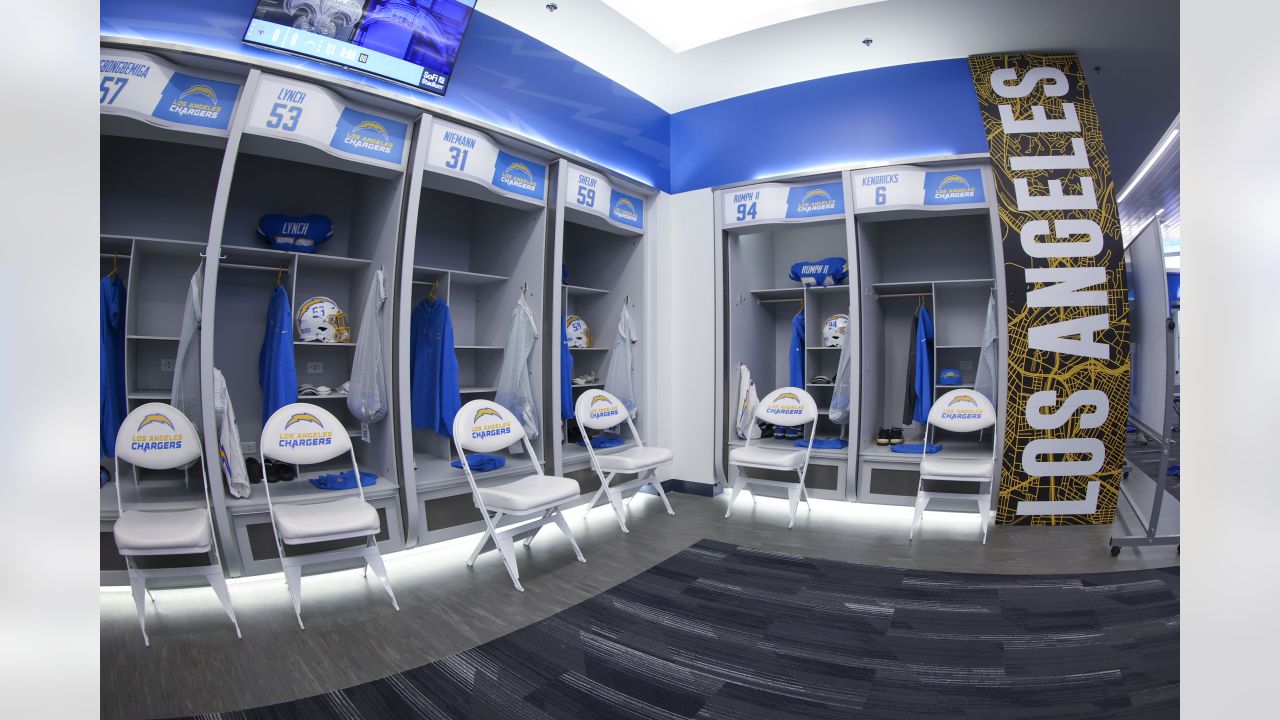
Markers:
point(1067, 307)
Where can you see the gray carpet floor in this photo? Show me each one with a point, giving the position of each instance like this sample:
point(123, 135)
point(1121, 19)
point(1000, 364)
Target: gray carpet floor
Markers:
point(728, 631)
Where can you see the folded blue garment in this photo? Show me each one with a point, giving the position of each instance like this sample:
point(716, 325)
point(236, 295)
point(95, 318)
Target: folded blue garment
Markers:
point(825, 443)
point(601, 442)
point(480, 462)
point(345, 480)
point(915, 448)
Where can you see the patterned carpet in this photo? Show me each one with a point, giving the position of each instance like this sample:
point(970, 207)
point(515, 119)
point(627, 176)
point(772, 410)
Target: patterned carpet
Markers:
point(726, 632)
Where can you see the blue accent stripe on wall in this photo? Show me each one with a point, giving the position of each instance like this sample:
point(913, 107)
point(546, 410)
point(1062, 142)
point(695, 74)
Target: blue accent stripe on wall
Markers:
point(503, 77)
point(512, 81)
point(905, 111)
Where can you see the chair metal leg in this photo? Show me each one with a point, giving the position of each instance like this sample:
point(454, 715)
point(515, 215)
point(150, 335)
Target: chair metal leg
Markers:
point(293, 579)
point(507, 552)
point(804, 495)
point(738, 484)
point(139, 586)
point(479, 547)
point(568, 533)
point(793, 499)
point(984, 510)
point(219, 585)
point(615, 499)
point(529, 540)
point(921, 501)
point(657, 486)
point(373, 559)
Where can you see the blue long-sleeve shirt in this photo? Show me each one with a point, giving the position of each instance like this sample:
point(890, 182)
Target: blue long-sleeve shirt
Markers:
point(277, 373)
point(923, 379)
point(797, 350)
point(112, 406)
point(566, 374)
point(433, 368)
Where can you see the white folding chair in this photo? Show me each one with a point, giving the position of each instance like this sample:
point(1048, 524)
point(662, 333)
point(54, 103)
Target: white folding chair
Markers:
point(599, 410)
point(485, 426)
point(305, 434)
point(963, 410)
point(789, 407)
point(157, 436)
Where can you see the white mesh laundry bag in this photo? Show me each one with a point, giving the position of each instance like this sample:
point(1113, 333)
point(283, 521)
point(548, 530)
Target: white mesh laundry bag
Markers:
point(185, 393)
point(842, 392)
point(620, 381)
point(367, 398)
point(514, 391)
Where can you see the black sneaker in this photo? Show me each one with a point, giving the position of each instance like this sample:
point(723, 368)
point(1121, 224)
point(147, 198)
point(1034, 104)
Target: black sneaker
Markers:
point(895, 436)
point(882, 437)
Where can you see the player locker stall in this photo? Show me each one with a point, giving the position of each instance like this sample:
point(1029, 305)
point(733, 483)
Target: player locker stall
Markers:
point(475, 241)
point(764, 230)
point(329, 166)
point(925, 244)
point(598, 267)
point(160, 119)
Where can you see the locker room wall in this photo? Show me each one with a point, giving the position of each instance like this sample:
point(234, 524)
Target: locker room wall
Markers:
point(684, 339)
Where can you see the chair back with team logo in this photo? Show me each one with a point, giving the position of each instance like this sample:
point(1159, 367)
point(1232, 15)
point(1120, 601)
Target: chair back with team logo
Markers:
point(157, 436)
point(787, 406)
point(484, 426)
point(305, 434)
point(599, 410)
point(962, 410)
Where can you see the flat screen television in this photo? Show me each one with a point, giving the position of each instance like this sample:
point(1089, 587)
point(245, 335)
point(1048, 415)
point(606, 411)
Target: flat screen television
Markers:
point(413, 42)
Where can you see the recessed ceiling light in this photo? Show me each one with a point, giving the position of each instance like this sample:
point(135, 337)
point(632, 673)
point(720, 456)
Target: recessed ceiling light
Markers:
point(683, 25)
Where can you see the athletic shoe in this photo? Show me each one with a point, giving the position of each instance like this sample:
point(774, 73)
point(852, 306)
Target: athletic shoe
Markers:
point(882, 437)
point(895, 436)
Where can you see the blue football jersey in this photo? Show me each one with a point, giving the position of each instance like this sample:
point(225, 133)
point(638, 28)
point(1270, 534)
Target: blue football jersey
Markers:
point(299, 233)
point(832, 271)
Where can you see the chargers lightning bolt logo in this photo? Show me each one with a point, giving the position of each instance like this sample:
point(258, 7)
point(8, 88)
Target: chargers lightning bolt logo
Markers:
point(788, 396)
point(302, 417)
point(962, 398)
point(486, 412)
point(156, 418)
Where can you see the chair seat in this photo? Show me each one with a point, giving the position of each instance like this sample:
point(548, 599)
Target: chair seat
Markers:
point(634, 459)
point(349, 516)
point(150, 531)
point(530, 491)
point(767, 457)
point(961, 468)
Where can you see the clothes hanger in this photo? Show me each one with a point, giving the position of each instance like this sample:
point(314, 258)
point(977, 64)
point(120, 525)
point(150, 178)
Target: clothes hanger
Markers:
point(279, 276)
point(431, 294)
point(114, 265)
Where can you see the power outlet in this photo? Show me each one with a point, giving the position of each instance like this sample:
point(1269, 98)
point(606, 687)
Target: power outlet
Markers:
point(966, 364)
point(167, 364)
point(315, 368)
point(249, 448)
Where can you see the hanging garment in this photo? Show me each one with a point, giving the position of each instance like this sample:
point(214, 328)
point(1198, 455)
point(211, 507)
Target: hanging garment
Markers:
point(919, 396)
point(112, 404)
point(229, 454)
point(433, 368)
point(566, 373)
point(514, 391)
point(277, 373)
point(797, 350)
point(842, 393)
point(988, 361)
point(620, 380)
point(185, 393)
point(746, 425)
point(367, 393)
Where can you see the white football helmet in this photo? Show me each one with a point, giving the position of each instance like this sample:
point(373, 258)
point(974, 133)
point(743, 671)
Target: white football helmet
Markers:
point(577, 332)
point(320, 320)
point(834, 330)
